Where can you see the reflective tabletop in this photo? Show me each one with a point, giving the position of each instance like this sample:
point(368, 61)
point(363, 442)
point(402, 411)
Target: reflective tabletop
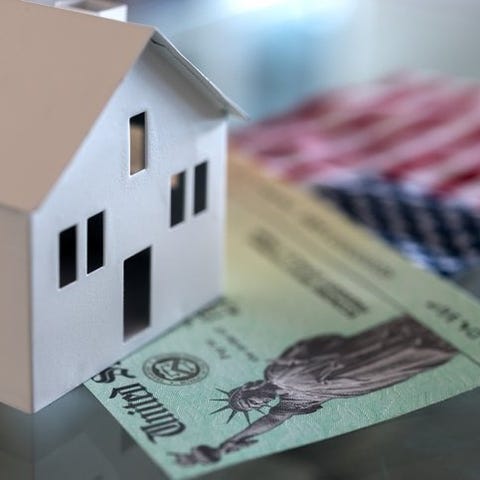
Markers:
point(76, 438)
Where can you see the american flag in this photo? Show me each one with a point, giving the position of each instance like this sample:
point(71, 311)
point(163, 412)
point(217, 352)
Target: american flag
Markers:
point(401, 156)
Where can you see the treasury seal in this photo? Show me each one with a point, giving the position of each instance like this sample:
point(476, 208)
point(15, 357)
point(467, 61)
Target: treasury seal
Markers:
point(175, 369)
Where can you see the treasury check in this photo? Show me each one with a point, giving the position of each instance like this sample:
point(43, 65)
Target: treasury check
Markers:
point(322, 330)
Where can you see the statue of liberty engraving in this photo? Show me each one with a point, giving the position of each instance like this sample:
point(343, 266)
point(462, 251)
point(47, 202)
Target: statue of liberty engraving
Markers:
point(325, 367)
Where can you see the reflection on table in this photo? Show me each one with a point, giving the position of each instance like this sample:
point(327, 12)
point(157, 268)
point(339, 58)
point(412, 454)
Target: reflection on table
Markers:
point(76, 438)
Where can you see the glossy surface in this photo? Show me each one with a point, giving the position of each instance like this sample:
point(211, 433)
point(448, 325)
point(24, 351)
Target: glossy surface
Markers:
point(76, 438)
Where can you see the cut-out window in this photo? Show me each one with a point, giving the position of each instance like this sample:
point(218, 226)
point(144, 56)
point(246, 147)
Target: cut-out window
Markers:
point(177, 198)
point(136, 293)
point(67, 256)
point(95, 242)
point(200, 188)
point(138, 148)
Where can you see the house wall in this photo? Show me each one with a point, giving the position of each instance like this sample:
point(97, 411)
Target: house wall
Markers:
point(15, 353)
point(78, 329)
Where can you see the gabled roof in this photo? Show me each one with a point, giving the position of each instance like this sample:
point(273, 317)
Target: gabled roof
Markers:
point(58, 70)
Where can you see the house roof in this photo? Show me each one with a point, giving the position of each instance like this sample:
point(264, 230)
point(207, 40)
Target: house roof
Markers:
point(58, 71)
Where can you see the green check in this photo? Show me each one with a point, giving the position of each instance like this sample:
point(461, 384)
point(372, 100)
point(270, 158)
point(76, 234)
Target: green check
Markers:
point(323, 330)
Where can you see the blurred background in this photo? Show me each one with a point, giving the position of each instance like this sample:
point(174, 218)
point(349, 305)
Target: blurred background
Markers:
point(269, 54)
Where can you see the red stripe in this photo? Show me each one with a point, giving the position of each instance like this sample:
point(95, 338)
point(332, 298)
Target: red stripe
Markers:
point(414, 163)
point(384, 144)
point(434, 156)
point(458, 181)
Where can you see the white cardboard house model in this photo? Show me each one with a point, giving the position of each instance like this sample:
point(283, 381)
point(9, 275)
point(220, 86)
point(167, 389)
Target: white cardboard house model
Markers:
point(112, 192)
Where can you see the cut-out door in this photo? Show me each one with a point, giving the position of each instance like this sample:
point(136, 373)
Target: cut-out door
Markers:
point(136, 293)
